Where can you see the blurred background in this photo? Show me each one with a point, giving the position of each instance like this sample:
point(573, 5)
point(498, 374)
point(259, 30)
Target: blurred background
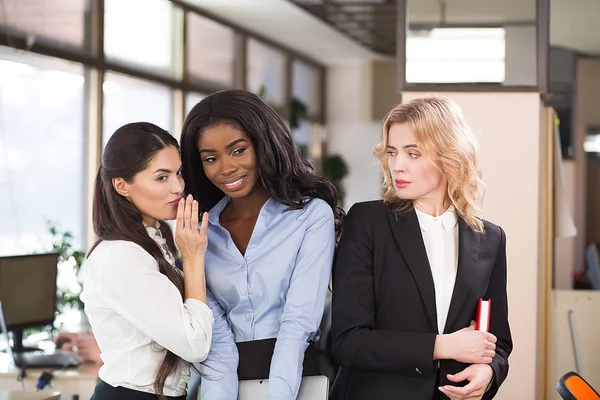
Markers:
point(525, 72)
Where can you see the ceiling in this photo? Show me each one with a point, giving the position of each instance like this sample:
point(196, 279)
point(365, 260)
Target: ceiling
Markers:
point(337, 31)
point(373, 22)
point(284, 23)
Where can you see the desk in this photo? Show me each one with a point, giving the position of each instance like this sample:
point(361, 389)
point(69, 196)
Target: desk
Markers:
point(77, 382)
point(10, 395)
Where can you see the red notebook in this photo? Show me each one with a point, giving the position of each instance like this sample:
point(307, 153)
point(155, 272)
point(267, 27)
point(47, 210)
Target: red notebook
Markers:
point(484, 309)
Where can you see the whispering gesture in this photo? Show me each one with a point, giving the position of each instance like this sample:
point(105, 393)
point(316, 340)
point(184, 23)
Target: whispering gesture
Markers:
point(192, 242)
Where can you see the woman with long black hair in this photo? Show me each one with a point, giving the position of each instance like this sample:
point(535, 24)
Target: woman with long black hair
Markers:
point(272, 228)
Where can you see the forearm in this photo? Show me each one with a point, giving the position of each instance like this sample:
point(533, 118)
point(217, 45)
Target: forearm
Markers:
point(285, 375)
point(194, 279)
point(406, 353)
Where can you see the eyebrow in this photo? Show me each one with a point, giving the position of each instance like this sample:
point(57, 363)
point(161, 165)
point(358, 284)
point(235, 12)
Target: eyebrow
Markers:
point(230, 145)
point(408, 146)
point(164, 171)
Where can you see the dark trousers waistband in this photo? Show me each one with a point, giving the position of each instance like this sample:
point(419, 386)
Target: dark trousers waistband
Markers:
point(256, 355)
point(104, 391)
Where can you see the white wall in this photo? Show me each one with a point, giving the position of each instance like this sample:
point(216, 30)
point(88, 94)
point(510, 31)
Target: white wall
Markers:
point(350, 130)
point(510, 158)
point(520, 56)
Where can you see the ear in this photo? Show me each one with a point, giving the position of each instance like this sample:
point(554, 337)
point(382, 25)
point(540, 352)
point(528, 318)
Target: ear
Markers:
point(121, 187)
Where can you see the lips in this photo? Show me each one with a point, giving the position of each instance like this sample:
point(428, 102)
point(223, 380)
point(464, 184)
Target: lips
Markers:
point(401, 183)
point(175, 202)
point(234, 183)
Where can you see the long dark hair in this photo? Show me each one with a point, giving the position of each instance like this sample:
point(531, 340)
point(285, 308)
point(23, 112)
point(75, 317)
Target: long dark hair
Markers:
point(287, 177)
point(129, 151)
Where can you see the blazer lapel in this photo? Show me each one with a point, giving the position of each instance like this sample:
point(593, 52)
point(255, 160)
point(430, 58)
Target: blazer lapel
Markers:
point(407, 234)
point(466, 275)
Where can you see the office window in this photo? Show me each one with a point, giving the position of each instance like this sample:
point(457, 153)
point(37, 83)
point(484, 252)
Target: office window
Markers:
point(210, 50)
point(141, 33)
point(455, 55)
point(134, 100)
point(307, 86)
point(58, 22)
point(266, 72)
point(41, 151)
point(191, 99)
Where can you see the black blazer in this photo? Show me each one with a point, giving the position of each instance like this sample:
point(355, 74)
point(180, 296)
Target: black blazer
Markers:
point(384, 321)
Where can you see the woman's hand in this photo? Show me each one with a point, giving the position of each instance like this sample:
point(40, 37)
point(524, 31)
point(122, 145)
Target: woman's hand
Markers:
point(191, 241)
point(479, 377)
point(466, 345)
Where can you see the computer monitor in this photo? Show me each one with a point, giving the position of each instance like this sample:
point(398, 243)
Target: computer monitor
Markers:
point(28, 293)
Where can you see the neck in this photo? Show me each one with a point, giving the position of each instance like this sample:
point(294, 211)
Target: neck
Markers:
point(149, 221)
point(251, 204)
point(432, 207)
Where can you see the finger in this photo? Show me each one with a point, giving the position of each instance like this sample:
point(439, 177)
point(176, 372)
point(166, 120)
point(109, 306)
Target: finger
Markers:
point(490, 353)
point(490, 346)
point(194, 224)
point(204, 225)
point(187, 212)
point(471, 325)
point(179, 225)
point(459, 377)
point(491, 338)
point(460, 392)
point(485, 360)
point(67, 346)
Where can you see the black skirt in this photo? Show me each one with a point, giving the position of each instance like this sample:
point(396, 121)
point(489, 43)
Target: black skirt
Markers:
point(255, 359)
point(104, 391)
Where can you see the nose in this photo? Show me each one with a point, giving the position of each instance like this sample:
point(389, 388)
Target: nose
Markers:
point(228, 166)
point(177, 185)
point(399, 164)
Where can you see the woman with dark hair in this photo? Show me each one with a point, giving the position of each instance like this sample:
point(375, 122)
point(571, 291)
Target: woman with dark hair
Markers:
point(149, 322)
point(272, 226)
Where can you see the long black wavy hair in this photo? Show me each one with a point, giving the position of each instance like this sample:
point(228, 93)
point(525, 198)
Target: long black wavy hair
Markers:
point(287, 177)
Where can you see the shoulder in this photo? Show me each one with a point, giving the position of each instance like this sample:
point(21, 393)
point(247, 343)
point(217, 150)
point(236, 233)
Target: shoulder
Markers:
point(494, 233)
point(319, 208)
point(113, 255)
point(367, 209)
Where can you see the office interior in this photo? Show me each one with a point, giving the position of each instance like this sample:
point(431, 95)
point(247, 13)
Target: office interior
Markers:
point(525, 72)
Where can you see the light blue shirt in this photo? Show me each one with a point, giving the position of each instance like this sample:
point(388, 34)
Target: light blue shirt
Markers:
point(276, 290)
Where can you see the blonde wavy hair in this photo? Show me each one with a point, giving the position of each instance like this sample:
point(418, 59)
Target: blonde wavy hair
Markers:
point(441, 129)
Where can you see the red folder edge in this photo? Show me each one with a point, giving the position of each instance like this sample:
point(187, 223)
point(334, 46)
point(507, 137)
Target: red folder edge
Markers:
point(484, 310)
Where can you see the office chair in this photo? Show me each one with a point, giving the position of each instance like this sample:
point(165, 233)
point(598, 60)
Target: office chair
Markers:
point(573, 387)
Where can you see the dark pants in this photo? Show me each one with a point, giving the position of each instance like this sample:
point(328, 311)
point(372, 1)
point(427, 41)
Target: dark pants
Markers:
point(104, 391)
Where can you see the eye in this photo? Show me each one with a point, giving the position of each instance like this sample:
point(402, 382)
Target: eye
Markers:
point(162, 178)
point(180, 172)
point(210, 160)
point(239, 152)
point(413, 155)
point(391, 153)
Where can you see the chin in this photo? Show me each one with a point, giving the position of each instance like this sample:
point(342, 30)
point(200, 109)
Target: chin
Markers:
point(168, 216)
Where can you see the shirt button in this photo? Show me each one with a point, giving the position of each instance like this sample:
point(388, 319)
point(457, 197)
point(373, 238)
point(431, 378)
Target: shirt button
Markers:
point(243, 292)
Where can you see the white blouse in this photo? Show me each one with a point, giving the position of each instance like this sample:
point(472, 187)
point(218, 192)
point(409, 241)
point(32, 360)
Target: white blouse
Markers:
point(136, 313)
point(440, 235)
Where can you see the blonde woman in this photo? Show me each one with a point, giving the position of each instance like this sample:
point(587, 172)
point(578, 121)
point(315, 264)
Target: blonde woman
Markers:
point(411, 269)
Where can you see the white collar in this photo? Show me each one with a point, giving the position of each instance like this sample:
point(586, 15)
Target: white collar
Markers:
point(448, 219)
